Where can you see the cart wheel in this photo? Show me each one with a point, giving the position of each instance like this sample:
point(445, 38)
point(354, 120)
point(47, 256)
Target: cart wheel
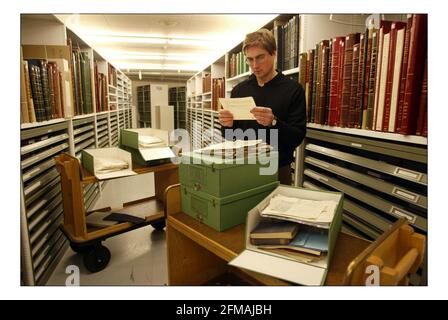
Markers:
point(159, 225)
point(97, 258)
point(79, 249)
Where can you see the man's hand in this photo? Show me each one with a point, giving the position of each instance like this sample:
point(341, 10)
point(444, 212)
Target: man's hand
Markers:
point(226, 118)
point(263, 115)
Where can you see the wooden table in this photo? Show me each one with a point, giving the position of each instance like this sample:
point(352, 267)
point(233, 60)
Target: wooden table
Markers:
point(198, 253)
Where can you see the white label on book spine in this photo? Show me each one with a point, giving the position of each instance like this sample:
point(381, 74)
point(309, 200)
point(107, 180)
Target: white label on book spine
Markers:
point(408, 174)
point(399, 213)
point(357, 145)
point(405, 194)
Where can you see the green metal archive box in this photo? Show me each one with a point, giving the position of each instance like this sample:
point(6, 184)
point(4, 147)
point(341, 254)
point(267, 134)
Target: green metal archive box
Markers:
point(222, 213)
point(220, 177)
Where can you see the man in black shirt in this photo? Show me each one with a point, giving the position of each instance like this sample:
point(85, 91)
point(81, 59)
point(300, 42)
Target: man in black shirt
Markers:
point(280, 102)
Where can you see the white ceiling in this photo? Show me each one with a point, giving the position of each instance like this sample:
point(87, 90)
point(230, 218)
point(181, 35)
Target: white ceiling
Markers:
point(163, 46)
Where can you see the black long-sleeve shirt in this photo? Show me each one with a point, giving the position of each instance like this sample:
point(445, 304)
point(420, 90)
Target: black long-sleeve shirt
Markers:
point(286, 98)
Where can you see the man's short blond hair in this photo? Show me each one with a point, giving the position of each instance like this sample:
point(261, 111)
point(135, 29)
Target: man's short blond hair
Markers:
point(262, 38)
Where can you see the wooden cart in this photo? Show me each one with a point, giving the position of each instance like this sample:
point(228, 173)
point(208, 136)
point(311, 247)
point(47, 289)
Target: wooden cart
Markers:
point(87, 240)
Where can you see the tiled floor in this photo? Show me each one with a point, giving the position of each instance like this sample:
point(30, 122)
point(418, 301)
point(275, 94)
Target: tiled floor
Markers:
point(137, 258)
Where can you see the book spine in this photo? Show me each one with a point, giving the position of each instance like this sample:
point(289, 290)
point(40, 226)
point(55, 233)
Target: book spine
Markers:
point(334, 77)
point(383, 80)
point(318, 83)
point(368, 62)
point(51, 91)
point(36, 86)
point(372, 81)
point(24, 116)
point(414, 77)
point(323, 84)
point(327, 77)
point(310, 83)
point(390, 73)
point(350, 41)
point(396, 80)
point(404, 70)
point(45, 88)
point(354, 86)
point(61, 95)
point(363, 40)
point(423, 105)
point(313, 102)
point(29, 94)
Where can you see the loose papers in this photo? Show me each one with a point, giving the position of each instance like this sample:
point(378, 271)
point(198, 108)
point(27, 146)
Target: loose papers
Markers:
point(311, 212)
point(239, 107)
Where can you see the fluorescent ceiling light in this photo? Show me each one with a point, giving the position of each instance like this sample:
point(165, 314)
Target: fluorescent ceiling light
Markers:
point(154, 66)
point(148, 40)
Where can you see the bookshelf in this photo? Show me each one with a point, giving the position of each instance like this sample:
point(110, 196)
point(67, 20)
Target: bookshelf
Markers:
point(177, 98)
point(311, 168)
point(96, 126)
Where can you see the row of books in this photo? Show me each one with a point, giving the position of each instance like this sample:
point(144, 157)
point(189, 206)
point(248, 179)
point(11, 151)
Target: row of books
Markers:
point(81, 80)
point(42, 94)
point(207, 83)
point(376, 80)
point(111, 75)
point(286, 34)
point(237, 64)
point(100, 90)
point(218, 91)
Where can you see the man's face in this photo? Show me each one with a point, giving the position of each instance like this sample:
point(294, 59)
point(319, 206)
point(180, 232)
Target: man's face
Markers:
point(260, 61)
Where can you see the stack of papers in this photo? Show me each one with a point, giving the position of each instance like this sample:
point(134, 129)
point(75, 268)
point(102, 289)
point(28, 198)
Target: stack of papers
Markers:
point(150, 141)
point(107, 165)
point(237, 148)
point(310, 212)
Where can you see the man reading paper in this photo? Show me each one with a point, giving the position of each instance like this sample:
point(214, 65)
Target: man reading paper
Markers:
point(280, 102)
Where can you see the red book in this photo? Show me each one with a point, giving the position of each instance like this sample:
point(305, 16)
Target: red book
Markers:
point(334, 79)
point(340, 82)
point(310, 61)
point(368, 62)
point(404, 70)
point(423, 105)
point(361, 79)
point(354, 86)
point(390, 72)
point(323, 82)
point(350, 41)
point(414, 77)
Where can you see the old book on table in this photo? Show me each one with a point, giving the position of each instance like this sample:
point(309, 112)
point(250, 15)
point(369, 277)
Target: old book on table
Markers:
point(273, 229)
point(309, 240)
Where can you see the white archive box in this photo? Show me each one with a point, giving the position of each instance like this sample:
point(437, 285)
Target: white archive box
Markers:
point(104, 163)
point(282, 266)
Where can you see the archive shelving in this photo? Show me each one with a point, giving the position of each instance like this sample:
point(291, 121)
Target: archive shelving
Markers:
point(177, 98)
point(377, 171)
point(144, 106)
point(42, 243)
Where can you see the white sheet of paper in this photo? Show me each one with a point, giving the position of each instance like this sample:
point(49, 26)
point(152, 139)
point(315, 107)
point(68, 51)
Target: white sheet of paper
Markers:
point(240, 107)
point(156, 153)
